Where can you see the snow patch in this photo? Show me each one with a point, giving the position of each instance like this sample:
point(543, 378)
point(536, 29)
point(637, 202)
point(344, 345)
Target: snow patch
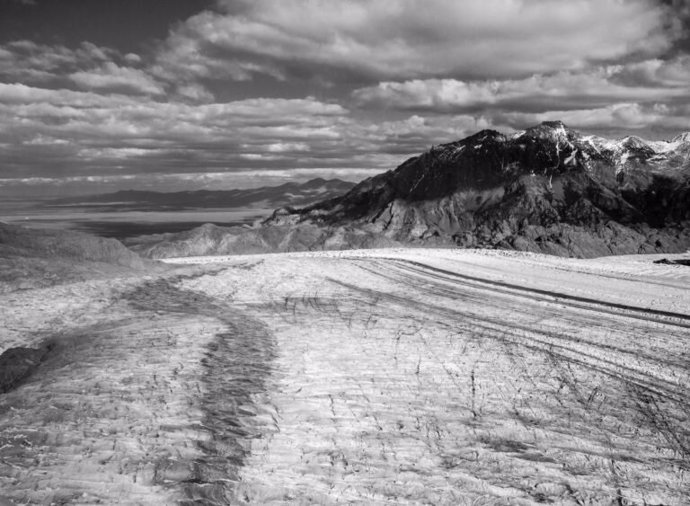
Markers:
point(571, 160)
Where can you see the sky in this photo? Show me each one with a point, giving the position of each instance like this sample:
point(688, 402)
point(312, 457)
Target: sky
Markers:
point(98, 95)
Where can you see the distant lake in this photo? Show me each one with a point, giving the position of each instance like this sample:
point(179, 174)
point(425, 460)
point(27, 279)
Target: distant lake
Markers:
point(131, 213)
point(122, 224)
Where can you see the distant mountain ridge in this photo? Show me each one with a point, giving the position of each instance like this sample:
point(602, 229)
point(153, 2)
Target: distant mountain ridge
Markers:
point(548, 189)
point(288, 194)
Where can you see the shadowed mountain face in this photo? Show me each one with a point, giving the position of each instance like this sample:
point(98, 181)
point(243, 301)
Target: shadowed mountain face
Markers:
point(547, 189)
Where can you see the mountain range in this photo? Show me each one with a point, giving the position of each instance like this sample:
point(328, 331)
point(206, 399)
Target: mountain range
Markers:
point(288, 194)
point(546, 189)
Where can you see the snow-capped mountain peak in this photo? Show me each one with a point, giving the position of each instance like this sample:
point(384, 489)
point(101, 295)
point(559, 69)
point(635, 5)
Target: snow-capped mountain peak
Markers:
point(550, 130)
point(549, 189)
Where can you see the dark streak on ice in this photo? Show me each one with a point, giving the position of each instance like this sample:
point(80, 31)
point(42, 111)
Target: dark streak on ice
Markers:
point(237, 365)
point(17, 364)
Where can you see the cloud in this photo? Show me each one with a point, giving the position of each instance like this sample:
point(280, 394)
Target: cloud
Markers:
point(287, 147)
point(67, 132)
point(86, 67)
point(60, 130)
point(28, 61)
point(194, 92)
point(407, 39)
point(651, 80)
point(113, 153)
point(111, 77)
point(656, 72)
point(657, 117)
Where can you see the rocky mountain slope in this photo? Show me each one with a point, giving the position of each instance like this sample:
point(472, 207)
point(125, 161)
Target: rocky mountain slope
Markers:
point(548, 189)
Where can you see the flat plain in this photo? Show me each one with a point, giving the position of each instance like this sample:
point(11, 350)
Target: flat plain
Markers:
point(406, 376)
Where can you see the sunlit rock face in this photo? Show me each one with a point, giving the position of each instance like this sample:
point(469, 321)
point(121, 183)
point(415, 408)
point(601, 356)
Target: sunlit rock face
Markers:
point(547, 189)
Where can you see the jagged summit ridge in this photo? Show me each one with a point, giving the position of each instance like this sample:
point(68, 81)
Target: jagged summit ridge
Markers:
point(552, 130)
point(489, 158)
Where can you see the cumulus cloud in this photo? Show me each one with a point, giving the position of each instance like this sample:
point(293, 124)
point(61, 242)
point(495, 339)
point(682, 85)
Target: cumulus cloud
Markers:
point(194, 92)
point(410, 39)
point(672, 73)
point(87, 67)
point(70, 131)
point(286, 147)
point(651, 80)
point(62, 128)
point(28, 61)
point(111, 116)
point(111, 77)
point(656, 117)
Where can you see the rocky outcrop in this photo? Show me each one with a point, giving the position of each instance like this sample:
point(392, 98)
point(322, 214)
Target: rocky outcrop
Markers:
point(210, 239)
point(548, 189)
